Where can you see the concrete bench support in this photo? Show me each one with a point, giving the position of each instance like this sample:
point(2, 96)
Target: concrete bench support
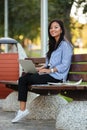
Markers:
point(11, 102)
point(45, 107)
point(72, 116)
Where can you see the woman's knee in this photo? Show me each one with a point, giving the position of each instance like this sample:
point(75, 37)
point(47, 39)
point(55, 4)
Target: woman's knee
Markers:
point(24, 79)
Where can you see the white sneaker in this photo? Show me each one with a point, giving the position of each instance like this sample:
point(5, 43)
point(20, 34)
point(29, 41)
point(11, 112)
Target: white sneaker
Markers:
point(20, 115)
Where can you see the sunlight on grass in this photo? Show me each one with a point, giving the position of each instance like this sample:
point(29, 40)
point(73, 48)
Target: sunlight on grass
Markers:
point(80, 50)
point(68, 99)
point(37, 53)
point(33, 53)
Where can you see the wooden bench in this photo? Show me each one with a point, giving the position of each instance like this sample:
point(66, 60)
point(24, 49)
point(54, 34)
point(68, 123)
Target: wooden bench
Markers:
point(78, 70)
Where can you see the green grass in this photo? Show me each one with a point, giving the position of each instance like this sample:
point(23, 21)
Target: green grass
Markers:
point(71, 99)
point(33, 53)
point(68, 99)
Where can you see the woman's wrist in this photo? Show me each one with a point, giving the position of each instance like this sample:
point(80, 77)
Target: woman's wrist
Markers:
point(52, 70)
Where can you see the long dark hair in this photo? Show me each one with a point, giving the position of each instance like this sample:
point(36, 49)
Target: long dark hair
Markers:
point(52, 44)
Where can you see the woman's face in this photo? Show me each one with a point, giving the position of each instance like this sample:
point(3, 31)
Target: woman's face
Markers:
point(55, 30)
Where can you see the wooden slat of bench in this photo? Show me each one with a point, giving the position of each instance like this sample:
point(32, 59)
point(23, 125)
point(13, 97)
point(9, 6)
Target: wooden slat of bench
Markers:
point(75, 58)
point(37, 60)
point(9, 82)
point(77, 77)
point(61, 87)
point(49, 87)
point(79, 58)
point(78, 67)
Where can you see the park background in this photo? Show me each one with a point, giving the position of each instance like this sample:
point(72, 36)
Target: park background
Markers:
point(24, 22)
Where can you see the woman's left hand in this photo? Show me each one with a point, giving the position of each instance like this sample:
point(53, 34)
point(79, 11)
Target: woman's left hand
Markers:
point(43, 71)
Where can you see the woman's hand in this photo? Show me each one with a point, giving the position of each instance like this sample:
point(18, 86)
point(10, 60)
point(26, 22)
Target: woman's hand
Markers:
point(39, 68)
point(44, 71)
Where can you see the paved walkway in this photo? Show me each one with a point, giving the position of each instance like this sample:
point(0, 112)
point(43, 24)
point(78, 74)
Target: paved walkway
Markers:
point(6, 117)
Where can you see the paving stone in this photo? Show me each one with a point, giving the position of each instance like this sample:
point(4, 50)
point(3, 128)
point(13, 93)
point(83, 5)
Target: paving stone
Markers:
point(25, 124)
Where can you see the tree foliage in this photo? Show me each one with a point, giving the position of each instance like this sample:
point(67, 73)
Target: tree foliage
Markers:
point(24, 16)
point(61, 9)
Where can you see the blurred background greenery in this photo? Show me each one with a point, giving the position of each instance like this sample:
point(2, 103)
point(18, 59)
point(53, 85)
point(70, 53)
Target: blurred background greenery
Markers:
point(24, 22)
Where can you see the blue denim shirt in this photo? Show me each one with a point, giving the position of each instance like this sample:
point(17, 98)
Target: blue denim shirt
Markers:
point(61, 59)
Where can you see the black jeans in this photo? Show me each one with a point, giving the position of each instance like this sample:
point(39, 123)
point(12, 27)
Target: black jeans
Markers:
point(30, 79)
